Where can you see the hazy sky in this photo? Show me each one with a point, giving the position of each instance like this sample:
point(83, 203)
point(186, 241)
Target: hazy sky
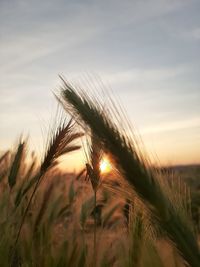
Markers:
point(147, 51)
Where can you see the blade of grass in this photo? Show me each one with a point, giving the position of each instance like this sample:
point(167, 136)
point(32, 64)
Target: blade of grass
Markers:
point(15, 167)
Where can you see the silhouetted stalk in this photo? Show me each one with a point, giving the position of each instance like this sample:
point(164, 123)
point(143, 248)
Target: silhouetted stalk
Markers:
point(59, 143)
point(95, 229)
point(26, 211)
point(93, 172)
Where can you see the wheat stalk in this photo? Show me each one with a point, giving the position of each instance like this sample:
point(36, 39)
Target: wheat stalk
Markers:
point(60, 143)
point(93, 172)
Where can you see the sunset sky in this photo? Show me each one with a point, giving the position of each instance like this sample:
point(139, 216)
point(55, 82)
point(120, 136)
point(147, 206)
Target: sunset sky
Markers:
point(148, 52)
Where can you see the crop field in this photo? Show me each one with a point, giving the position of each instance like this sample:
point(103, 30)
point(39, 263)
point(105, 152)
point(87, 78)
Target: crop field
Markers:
point(119, 210)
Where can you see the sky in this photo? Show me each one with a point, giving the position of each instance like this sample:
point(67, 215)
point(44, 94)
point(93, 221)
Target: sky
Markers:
point(147, 51)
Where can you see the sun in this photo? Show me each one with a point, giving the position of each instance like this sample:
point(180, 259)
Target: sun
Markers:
point(105, 165)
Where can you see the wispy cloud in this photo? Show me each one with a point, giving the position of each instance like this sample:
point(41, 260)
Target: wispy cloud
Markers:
point(147, 75)
point(172, 126)
point(195, 33)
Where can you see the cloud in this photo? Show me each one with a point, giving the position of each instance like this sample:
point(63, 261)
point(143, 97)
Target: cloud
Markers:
point(195, 33)
point(31, 33)
point(136, 75)
point(172, 126)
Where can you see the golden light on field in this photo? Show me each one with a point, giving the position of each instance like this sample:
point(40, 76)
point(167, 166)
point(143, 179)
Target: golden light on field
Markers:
point(105, 165)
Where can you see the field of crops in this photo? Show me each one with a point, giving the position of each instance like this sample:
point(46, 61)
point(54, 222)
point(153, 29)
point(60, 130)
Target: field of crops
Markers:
point(123, 212)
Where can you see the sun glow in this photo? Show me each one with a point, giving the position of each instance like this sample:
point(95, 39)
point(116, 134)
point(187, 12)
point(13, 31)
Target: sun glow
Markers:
point(105, 165)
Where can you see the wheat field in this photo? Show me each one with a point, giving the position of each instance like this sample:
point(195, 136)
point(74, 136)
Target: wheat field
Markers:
point(134, 215)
